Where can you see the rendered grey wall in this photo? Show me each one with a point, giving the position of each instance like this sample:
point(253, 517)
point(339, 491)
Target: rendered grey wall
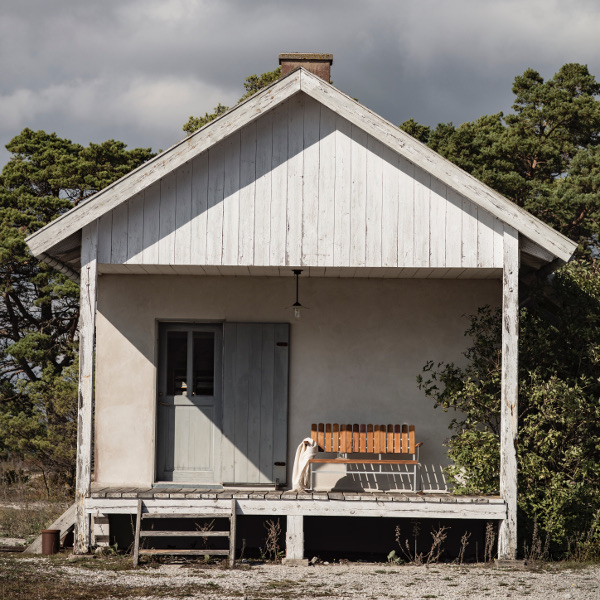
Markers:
point(354, 355)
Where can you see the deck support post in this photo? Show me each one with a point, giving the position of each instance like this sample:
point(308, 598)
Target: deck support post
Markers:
point(87, 325)
point(507, 536)
point(294, 541)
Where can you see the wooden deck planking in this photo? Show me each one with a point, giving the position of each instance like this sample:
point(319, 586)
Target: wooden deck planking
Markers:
point(261, 502)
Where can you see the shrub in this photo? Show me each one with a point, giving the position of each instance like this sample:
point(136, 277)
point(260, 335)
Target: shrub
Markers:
point(559, 407)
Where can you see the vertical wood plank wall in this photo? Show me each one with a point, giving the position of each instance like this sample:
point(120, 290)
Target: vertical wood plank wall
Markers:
point(301, 186)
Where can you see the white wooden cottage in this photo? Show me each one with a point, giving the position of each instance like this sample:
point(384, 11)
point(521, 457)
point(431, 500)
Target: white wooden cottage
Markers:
point(202, 378)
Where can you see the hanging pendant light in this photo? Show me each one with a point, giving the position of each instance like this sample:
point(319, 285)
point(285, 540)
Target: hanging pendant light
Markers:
point(297, 307)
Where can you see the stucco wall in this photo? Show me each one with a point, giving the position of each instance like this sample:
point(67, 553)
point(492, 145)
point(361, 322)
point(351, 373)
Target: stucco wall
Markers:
point(354, 355)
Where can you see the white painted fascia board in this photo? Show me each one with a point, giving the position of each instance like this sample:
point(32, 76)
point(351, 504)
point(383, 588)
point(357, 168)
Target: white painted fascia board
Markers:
point(438, 166)
point(139, 179)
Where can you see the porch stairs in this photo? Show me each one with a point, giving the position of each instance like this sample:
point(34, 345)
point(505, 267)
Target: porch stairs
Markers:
point(201, 533)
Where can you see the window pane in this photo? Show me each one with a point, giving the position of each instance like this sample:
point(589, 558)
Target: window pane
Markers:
point(176, 363)
point(204, 363)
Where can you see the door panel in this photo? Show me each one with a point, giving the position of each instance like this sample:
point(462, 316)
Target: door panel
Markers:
point(189, 403)
point(255, 402)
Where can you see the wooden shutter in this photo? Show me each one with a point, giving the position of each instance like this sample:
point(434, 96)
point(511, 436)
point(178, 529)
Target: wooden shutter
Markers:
point(255, 402)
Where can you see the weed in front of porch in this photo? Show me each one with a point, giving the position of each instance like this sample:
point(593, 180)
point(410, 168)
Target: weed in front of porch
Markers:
point(409, 548)
point(206, 528)
point(272, 551)
point(490, 542)
point(538, 551)
point(584, 547)
point(464, 542)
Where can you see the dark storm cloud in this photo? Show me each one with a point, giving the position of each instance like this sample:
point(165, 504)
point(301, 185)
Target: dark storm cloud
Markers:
point(136, 69)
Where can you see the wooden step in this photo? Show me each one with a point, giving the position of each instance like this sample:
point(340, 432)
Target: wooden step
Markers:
point(161, 515)
point(151, 533)
point(178, 552)
point(154, 533)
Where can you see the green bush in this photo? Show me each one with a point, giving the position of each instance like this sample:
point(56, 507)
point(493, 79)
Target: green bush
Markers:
point(559, 406)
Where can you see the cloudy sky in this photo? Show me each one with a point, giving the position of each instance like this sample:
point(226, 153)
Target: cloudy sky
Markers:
point(135, 70)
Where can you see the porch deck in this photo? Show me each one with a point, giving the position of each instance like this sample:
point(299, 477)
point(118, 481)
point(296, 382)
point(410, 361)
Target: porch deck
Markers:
point(107, 500)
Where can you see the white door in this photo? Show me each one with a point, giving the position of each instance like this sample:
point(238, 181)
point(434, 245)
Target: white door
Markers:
point(189, 410)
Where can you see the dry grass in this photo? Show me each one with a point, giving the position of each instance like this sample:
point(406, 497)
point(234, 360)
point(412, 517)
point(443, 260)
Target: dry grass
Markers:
point(28, 521)
point(23, 483)
point(27, 503)
point(22, 581)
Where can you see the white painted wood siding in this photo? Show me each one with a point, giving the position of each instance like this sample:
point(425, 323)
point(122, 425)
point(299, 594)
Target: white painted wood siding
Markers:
point(301, 186)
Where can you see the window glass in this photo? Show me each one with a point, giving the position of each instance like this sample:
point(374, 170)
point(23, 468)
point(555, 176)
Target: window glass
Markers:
point(204, 363)
point(176, 363)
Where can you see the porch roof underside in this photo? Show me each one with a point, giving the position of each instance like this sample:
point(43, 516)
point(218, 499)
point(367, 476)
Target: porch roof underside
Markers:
point(343, 272)
point(402, 505)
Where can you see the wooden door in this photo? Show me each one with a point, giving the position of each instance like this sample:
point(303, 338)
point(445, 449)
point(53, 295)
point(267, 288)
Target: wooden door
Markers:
point(189, 412)
point(255, 403)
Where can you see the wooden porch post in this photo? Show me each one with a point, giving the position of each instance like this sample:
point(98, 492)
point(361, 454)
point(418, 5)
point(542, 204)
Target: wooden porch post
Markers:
point(87, 324)
point(507, 538)
point(294, 541)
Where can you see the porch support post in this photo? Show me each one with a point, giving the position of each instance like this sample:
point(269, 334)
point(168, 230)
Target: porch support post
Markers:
point(87, 325)
point(294, 541)
point(507, 538)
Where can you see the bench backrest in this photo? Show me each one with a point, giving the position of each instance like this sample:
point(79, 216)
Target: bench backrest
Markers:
point(366, 438)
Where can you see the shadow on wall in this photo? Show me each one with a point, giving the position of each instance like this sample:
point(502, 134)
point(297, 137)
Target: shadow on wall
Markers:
point(387, 478)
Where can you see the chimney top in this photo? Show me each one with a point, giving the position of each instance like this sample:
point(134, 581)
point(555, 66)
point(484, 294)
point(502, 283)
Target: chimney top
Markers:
point(317, 63)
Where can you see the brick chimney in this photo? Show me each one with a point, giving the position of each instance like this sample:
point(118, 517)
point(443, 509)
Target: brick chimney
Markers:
point(319, 64)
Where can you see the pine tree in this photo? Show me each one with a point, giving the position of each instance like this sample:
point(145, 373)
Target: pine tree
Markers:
point(39, 308)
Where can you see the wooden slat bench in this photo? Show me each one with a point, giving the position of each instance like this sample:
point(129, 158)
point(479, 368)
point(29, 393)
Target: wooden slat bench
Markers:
point(365, 440)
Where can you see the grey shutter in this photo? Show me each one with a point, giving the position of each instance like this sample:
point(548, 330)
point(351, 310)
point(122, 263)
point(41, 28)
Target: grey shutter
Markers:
point(255, 402)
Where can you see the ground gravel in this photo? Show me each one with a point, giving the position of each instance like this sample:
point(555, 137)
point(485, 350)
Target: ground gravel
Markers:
point(345, 581)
